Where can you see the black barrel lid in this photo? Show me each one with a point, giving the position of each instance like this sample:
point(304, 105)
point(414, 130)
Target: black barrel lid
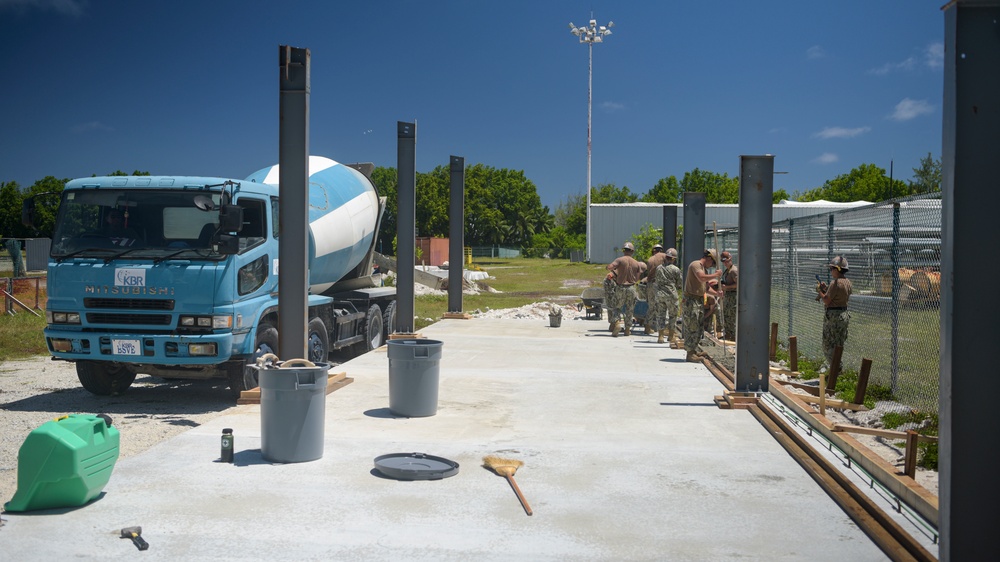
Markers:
point(415, 466)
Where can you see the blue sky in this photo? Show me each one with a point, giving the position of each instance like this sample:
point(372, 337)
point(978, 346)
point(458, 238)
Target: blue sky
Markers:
point(191, 88)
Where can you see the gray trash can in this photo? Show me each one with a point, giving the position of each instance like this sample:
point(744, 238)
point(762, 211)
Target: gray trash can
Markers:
point(292, 410)
point(414, 369)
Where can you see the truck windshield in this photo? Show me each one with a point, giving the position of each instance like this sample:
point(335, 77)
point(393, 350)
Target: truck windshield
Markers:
point(137, 223)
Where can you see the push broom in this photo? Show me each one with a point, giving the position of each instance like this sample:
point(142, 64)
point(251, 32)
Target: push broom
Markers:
point(507, 468)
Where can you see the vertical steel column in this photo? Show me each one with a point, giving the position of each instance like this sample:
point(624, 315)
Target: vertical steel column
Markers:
point(791, 275)
point(694, 229)
point(970, 199)
point(894, 256)
point(456, 234)
point(406, 222)
point(293, 214)
point(754, 309)
point(669, 226)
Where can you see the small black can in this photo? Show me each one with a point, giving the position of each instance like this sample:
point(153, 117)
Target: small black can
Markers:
point(227, 445)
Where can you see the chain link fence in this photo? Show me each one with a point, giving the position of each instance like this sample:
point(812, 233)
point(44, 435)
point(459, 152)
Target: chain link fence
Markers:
point(894, 252)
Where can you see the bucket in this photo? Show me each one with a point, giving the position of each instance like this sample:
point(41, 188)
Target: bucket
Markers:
point(65, 462)
point(292, 410)
point(555, 320)
point(414, 369)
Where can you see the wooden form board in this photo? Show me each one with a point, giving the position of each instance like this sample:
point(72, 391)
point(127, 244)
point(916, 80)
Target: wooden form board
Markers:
point(333, 382)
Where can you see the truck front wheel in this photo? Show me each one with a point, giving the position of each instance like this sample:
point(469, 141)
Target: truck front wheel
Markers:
point(242, 377)
point(389, 321)
point(104, 379)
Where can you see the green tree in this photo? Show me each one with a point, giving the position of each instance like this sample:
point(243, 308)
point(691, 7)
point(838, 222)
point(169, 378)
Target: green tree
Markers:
point(610, 193)
point(867, 182)
point(386, 185)
point(46, 206)
point(780, 194)
point(666, 190)
point(10, 210)
point(571, 215)
point(648, 236)
point(927, 177)
point(718, 188)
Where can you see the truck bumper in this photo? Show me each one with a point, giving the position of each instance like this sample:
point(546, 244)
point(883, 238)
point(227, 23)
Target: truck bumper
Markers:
point(206, 349)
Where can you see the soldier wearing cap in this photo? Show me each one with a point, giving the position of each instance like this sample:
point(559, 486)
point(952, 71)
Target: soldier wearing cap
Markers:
point(730, 290)
point(694, 300)
point(835, 297)
point(668, 289)
point(627, 272)
point(656, 315)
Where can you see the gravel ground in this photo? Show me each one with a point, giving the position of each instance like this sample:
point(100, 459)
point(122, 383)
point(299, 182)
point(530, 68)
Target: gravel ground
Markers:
point(36, 390)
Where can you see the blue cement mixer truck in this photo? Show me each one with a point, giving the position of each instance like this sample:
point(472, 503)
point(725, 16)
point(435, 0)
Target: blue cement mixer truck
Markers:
point(177, 277)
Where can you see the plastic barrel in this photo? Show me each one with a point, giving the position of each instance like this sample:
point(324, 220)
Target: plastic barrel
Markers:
point(292, 411)
point(65, 463)
point(414, 370)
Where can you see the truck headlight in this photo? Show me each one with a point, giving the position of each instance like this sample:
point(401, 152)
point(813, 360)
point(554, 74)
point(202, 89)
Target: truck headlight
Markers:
point(214, 322)
point(208, 349)
point(62, 317)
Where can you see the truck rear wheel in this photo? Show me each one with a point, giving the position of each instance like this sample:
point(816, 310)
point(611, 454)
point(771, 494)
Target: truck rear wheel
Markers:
point(104, 379)
point(389, 321)
point(242, 377)
point(373, 329)
point(318, 342)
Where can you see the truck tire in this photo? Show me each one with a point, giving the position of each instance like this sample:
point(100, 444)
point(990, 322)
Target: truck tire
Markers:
point(104, 379)
point(242, 377)
point(389, 321)
point(318, 342)
point(373, 330)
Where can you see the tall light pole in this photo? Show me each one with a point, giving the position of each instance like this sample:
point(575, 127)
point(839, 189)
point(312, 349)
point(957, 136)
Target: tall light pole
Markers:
point(590, 34)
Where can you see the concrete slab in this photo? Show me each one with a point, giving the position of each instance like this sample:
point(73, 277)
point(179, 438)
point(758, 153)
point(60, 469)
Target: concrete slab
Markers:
point(626, 458)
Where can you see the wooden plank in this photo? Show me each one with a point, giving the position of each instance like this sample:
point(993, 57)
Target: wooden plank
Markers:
point(405, 336)
point(789, 372)
point(457, 316)
point(831, 403)
point(333, 382)
point(887, 433)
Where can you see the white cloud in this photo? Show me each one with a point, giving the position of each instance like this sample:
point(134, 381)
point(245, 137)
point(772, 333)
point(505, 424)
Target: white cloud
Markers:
point(826, 158)
point(841, 132)
point(90, 126)
point(908, 109)
point(612, 106)
point(64, 7)
point(815, 52)
point(934, 55)
point(908, 64)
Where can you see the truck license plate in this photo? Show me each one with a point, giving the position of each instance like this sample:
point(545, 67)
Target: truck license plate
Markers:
point(125, 347)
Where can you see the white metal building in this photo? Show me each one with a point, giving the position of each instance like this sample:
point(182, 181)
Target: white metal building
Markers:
point(615, 223)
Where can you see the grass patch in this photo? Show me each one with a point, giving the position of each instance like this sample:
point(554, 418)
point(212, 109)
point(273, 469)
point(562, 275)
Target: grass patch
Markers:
point(927, 452)
point(520, 281)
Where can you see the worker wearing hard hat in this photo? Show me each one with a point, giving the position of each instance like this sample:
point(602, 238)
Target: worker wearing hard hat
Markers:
point(668, 289)
point(694, 300)
point(627, 272)
point(657, 313)
point(835, 297)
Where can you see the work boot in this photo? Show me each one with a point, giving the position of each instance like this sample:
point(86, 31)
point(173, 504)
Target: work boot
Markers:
point(611, 325)
point(659, 336)
point(628, 329)
point(692, 357)
point(648, 330)
point(615, 327)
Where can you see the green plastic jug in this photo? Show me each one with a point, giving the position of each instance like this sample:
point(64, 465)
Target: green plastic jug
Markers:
point(65, 462)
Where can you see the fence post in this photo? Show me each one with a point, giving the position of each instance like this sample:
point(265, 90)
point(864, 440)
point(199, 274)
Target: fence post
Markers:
point(793, 353)
point(895, 296)
point(791, 277)
point(859, 392)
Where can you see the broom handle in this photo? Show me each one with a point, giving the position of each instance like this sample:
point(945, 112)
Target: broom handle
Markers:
point(520, 496)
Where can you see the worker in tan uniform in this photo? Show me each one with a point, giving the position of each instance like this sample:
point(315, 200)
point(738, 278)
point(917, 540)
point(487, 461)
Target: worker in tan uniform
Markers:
point(657, 312)
point(694, 300)
point(835, 297)
point(627, 272)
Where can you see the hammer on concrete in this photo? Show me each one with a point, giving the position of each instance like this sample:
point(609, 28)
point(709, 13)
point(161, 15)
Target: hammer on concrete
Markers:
point(133, 533)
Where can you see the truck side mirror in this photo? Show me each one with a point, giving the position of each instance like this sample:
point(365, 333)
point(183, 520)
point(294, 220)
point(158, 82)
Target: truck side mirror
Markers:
point(28, 212)
point(231, 218)
point(228, 245)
